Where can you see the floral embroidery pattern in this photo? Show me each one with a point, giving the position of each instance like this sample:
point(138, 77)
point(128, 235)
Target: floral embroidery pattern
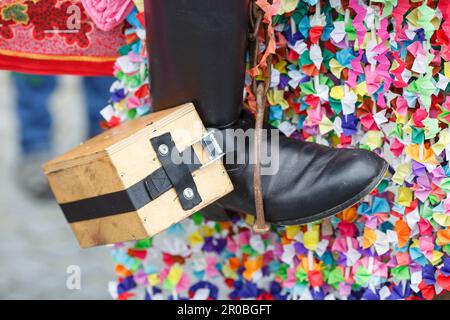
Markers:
point(16, 12)
point(48, 19)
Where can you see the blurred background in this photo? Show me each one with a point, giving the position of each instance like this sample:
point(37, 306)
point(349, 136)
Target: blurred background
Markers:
point(36, 244)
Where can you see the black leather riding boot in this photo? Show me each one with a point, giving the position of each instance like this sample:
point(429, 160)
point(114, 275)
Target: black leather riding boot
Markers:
point(197, 54)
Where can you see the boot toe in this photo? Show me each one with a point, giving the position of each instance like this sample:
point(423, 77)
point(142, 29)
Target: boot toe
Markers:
point(330, 186)
point(360, 169)
point(351, 176)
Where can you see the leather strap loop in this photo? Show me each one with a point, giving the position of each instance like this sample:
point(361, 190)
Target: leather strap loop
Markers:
point(178, 174)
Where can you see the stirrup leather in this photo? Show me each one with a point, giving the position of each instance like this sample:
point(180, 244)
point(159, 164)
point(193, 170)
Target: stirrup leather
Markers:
point(260, 91)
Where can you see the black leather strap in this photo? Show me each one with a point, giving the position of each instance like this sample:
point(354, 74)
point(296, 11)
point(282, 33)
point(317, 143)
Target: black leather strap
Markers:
point(178, 174)
point(136, 196)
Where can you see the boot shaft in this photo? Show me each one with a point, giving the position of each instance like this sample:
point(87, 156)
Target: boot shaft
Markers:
point(197, 54)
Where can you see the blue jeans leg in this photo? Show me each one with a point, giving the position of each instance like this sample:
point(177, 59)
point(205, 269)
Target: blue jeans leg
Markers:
point(35, 121)
point(97, 96)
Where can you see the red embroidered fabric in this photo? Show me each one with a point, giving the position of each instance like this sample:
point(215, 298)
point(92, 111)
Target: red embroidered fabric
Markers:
point(55, 37)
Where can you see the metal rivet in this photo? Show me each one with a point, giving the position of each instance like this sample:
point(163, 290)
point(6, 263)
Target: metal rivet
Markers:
point(163, 149)
point(188, 193)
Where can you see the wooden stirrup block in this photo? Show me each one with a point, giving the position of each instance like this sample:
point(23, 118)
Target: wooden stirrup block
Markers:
point(114, 188)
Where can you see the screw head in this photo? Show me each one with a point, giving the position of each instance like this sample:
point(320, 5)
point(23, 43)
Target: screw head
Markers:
point(188, 193)
point(163, 149)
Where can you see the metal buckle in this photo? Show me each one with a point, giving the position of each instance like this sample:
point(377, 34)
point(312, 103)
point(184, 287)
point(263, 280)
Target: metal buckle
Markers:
point(211, 146)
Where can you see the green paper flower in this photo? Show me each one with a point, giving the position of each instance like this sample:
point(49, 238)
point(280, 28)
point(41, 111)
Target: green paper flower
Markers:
point(446, 248)
point(282, 271)
point(123, 51)
point(305, 59)
point(426, 212)
point(197, 218)
point(135, 265)
point(247, 249)
point(365, 147)
point(362, 276)
point(350, 30)
point(327, 56)
point(144, 244)
point(308, 88)
point(131, 114)
point(335, 105)
point(120, 75)
point(335, 277)
point(401, 273)
point(424, 20)
point(424, 87)
point(301, 276)
point(445, 185)
point(397, 131)
point(431, 127)
point(434, 200)
point(382, 186)
point(444, 115)
point(418, 135)
point(387, 7)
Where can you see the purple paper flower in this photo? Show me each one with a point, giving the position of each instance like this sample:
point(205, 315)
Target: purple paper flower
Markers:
point(213, 290)
point(445, 269)
point(349, 123)
point(127, 284)
point(428, 274)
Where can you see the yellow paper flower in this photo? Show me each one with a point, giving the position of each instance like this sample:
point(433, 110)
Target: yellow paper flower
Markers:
point(208, 231)
point(442, 219)
point(281, 66)
point(121, 106)
point(361, 89)
point(228, 273)
point(402, 172)
point(139, 5)
point(407, 128)
point(436, 257)
point(442, 143)
point(292, 231)
point(249, 219)
point(276, 97)
point(175, 274)
point(311, 238)
point(447, 69)
point(325, 125)
point(336, 68)
point(195, 238)
point(399, 118)
point(153, 279)
point(374, 139)
point(287, 6)
point(337, 92)
point(404, 196)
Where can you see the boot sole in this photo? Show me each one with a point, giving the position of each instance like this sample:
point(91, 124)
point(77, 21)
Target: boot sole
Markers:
point(347, 204)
